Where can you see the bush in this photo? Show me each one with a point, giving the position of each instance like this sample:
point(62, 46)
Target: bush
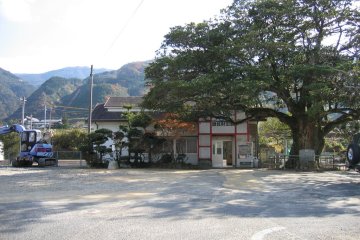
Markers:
point(93, 149)
point(69, 140)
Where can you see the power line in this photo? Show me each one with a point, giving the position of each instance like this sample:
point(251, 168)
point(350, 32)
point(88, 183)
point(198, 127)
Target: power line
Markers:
point(124, 27)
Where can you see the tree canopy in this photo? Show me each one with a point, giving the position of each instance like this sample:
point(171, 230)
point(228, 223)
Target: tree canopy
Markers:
point(296, 60)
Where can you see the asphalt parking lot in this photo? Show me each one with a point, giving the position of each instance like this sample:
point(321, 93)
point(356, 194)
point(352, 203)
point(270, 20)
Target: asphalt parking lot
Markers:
point(64, 203)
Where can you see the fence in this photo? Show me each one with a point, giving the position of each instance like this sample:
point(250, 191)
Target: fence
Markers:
point(326, 162)
point(70, 159)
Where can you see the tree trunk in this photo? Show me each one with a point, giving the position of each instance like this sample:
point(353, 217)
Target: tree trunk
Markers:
point(307, 134)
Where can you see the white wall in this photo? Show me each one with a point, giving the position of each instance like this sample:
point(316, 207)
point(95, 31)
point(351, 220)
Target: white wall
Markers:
point(113, 126)
point(204, 127)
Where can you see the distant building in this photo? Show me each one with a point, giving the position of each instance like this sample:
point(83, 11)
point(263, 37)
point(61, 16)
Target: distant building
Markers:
point(34, 123)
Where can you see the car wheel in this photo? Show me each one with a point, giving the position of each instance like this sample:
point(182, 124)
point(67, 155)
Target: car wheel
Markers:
point(353, 154)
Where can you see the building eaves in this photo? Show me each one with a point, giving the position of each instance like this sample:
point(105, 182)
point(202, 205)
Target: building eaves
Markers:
point(120, 102)
point(100, 113)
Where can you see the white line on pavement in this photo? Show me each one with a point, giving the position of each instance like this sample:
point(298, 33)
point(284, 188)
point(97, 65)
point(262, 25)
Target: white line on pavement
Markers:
point(260, 235)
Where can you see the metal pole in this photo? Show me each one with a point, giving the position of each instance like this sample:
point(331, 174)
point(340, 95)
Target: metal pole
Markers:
point(91, 98)
point(45, 118)
point(50, 120)
point(23, 99)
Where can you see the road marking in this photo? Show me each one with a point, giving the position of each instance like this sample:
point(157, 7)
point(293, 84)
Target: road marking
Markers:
point(260, 235)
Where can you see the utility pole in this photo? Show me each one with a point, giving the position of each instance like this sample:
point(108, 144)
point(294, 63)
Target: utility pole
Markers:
point(50, 119)
point(45, 118)
point(128, 107)
point(91, 98)
point(23, 99)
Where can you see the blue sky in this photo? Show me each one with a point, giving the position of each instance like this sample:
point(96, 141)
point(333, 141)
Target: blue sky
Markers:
point(42, 35)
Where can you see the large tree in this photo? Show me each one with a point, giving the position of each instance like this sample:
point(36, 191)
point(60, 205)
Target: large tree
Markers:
point(296, 60)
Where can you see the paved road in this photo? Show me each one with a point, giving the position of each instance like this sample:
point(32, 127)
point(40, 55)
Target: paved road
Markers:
point(62, 203)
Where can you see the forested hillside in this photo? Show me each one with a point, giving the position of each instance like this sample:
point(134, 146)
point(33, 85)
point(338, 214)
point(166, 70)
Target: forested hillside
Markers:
point(70, 97)
point(11, 89)
point(50, 93)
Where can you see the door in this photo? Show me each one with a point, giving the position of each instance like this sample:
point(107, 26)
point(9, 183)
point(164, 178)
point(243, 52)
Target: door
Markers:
point(217, 154)
point(228, 153)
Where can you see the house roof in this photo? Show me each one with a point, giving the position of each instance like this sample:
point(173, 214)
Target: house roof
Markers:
point(120, 102)
point(100, 113)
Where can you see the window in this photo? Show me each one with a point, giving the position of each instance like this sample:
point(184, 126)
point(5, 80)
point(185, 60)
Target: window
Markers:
point(181, 146)
point(186, 145)
point(191, 144)
point(167, 146)
point(24, 137)
point(32, 137)
point(218, 149)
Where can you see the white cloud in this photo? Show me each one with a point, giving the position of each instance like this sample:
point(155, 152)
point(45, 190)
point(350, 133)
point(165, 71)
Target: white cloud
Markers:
point(16, 10)
point(42, 35)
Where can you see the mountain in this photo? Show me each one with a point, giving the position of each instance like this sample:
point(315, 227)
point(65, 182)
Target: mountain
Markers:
point(69, 72)
point(51, 92)
point(124, 82)
point(130, 76)
point(12, 88)
point(70, 97)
